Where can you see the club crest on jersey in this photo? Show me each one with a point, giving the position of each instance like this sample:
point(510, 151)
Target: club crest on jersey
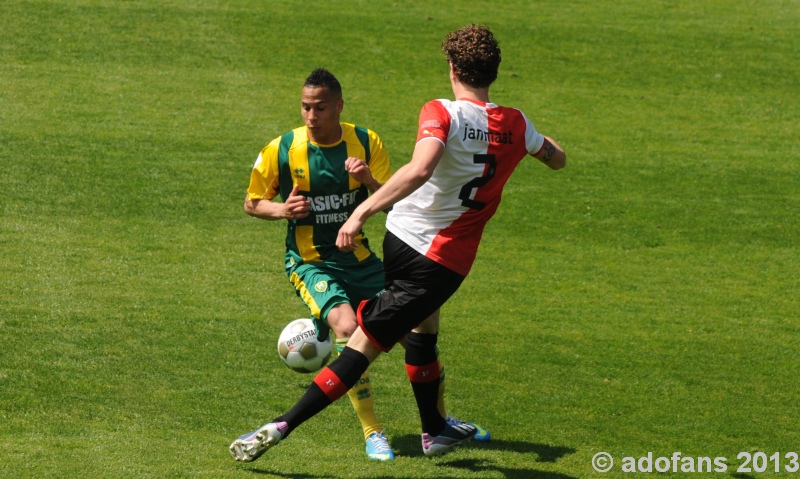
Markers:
point(321, 287)
point(489, 136)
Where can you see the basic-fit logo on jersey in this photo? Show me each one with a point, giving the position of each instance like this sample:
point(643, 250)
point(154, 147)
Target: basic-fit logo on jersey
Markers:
point(321, 287)
point(322, 205)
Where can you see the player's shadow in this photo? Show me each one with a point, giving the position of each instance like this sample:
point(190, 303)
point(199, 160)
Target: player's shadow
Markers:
point(284, 475)
point(481, 465)
point(472, 465)
point(408, 445)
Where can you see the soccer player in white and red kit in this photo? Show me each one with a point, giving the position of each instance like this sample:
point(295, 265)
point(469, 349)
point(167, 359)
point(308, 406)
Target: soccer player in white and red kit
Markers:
point(483, 143)
point(441, 201)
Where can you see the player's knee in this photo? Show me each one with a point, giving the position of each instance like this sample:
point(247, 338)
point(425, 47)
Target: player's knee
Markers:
point(342, 320)
point(345, 331)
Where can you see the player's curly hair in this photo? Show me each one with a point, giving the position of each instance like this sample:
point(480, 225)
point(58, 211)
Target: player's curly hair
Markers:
point(474, 53)
point(323, 78)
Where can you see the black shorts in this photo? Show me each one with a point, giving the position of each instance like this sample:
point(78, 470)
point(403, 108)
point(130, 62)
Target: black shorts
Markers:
point(415, 288)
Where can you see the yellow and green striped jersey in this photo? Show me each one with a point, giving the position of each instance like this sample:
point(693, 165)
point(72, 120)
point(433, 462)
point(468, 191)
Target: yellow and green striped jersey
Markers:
point(292, 159)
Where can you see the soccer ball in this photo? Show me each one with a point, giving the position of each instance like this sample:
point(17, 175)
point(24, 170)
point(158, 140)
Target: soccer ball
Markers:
point(299, 348)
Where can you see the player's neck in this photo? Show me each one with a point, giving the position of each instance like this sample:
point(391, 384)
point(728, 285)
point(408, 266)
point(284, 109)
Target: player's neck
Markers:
point(467, 92)
point(326, 138)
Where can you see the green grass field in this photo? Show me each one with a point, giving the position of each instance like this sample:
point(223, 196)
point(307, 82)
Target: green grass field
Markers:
point(642, 300)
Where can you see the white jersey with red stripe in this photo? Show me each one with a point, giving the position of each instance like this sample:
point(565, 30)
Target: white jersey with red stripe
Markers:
point(444, 219)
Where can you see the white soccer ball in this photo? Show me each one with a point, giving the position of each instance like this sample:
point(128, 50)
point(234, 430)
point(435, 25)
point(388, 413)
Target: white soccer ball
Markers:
point(299, 348)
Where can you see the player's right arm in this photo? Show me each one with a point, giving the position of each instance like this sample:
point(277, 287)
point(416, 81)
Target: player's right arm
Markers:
point(264, 187)
point(295, 207)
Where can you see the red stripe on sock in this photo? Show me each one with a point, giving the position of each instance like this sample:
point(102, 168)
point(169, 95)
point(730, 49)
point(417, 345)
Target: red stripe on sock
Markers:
point(423, 374)
point(331, 385)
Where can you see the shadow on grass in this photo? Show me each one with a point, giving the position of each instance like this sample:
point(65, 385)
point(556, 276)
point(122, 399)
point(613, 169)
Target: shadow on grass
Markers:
point(473, 465)
point(409, 446)
point(481, 465)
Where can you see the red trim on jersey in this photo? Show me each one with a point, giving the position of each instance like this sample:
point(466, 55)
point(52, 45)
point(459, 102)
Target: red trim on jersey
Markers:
point(423, 374)
point(434, 121)
point(464, 246)
point(365, 330)
point(331, 384)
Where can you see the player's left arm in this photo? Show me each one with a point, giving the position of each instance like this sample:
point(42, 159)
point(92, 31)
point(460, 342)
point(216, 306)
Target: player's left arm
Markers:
point(374, 174)
point(551, 154)
point(358, 169)
point(405, 181)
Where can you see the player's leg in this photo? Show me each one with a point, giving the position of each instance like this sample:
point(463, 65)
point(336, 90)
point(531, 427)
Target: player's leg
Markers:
point(482, 433)
point(329, 306)
point(342, 320)
point(416, 288)
point(361, 282)
point(329, 385)
point(422, 364)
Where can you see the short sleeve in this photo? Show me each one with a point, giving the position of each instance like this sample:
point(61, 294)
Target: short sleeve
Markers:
point(264, 176)
point(379, 164)
point(533, 139)
point(434, 121)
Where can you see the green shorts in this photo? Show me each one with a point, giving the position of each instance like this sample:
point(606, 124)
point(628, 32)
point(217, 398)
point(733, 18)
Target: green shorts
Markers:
point(324, 285)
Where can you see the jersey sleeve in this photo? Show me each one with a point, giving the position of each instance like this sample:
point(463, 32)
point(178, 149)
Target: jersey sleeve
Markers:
point(264, 176)
point(379, 164)
point(533, 139)
point(434, 122)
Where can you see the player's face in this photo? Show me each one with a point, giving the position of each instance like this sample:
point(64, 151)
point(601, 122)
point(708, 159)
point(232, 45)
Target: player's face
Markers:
point(320, 110)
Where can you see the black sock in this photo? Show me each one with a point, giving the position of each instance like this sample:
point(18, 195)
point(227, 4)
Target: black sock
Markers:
point(329, 385)
point(422, 367)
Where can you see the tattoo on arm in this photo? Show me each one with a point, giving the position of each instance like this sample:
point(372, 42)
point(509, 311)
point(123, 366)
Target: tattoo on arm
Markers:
point(549, 151)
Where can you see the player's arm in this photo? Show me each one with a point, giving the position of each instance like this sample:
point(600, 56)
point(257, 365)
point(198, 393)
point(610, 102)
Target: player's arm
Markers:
point(405, 181)
point(375, 173)
point(358, 169)
point(295, 207)
point(551, 154)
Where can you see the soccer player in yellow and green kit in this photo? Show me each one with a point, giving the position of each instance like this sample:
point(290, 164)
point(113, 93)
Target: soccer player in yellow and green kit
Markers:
point(323, 171)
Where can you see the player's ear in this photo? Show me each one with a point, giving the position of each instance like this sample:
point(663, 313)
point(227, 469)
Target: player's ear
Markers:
point(340, 105)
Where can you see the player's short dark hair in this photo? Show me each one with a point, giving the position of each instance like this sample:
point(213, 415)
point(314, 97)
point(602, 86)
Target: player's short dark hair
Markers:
point(323, 78)
point(475, 55)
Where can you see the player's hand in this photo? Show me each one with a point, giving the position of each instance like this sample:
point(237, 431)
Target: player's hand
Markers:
point(296, 205)
point(346, 240)
point(359, 170)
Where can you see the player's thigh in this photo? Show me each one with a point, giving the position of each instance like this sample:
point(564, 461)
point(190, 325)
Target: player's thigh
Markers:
point(320, 290)
point(416, 287)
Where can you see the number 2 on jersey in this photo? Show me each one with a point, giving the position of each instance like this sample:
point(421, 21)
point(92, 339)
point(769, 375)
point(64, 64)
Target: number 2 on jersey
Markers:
point(477, 182)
